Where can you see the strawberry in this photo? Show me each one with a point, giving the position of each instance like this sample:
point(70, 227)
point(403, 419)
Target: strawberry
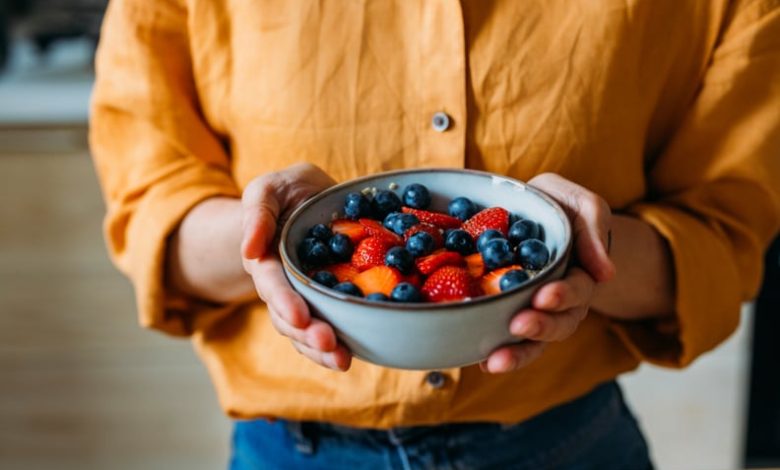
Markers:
point(489, 281)
point(343, 271)
point(449, 283)
point(432, 262)
point(432, 230)
point(368, 253)
point(475, 264)
point(377, 230)
point(377, 279)
point(434, 218)
point(350, 228)
point(496, 218)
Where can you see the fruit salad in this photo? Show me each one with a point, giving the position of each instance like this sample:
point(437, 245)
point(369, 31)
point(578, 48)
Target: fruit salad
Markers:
point(387, 247)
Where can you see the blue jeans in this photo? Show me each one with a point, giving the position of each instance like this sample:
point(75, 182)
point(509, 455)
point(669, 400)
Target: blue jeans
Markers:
point(595, 431)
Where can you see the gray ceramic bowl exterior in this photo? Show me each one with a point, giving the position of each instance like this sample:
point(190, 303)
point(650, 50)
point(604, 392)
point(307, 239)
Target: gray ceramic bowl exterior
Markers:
point(428, 336)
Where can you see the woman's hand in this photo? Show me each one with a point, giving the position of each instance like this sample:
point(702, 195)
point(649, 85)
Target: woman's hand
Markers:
point(267, 201)
point(558, 307)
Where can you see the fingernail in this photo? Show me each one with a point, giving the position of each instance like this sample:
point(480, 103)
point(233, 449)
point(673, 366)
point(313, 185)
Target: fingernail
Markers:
point(311, 340)
point(495, 367)
point(525, 328)
point(330, 361)
point(248, 227)
point(553, 301)
point(492, 366)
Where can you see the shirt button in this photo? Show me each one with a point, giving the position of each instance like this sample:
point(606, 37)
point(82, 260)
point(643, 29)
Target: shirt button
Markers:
point(435, 379)
point(440, 122)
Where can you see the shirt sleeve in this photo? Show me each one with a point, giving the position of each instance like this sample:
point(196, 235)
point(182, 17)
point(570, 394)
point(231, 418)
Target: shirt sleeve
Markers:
point(155, 155)
point(714, 190)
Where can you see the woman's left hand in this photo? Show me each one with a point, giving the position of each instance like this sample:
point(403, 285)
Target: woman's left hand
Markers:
point(558, 307)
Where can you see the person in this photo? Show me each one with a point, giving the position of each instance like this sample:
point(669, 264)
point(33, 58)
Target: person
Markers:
point(653, 123)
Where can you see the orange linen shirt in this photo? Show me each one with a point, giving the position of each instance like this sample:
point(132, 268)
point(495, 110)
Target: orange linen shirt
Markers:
point(670, 110)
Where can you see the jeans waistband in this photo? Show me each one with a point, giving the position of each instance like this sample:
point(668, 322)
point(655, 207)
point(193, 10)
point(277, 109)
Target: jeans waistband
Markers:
point(604, 399)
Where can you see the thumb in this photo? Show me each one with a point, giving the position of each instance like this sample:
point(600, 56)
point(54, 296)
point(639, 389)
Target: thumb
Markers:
point(591, 242)
point(261, 210)
point(590, 218)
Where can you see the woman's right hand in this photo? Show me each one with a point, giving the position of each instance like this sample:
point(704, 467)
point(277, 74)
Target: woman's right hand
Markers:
point(267, 201)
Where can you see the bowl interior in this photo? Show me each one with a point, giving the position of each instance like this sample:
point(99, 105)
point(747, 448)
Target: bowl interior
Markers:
point(484, 189)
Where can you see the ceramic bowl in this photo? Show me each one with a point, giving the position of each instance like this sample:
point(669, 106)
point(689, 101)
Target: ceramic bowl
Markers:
point(427, 336)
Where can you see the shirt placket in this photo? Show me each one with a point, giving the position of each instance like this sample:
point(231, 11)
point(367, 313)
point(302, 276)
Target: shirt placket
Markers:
point(442, 123)
point(442, 116)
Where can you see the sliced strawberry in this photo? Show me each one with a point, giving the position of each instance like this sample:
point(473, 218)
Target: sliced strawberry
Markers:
point(475, 265)
point(343, 271)
point(495, 218)
point(434, 218)
point(350, 228)
point(432, 230)
point(448, 284)
point(434, 261)
point(368, 253)
point(490, 281)
point(378, 279)
point(414, 279)
point(375, 229)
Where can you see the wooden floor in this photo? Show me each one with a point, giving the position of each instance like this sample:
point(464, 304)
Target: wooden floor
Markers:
point(81, 386)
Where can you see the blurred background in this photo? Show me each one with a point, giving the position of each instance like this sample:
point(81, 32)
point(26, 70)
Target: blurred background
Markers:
point(83, 387)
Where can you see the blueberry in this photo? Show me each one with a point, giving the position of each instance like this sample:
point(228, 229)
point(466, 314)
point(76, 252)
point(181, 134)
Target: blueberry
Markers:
point(400, 222)
point(320, 232)
point(420, 244)
point(377, 296)
point(417, 196)
point(348, 288)
point(356, 206)
point(486, 236)
point(512, 279)
point(390, 220)
point(532, 254)
point(523, 230)
point(497, 253)
point(462, 208)
point(405, 292)
point(400, 259)
point(313, 252)
point(325, 278)
point(340, 247)
point(385, 202)
point(459, 241)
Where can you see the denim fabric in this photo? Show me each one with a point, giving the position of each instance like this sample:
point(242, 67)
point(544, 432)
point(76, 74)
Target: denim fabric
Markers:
point(596, 431)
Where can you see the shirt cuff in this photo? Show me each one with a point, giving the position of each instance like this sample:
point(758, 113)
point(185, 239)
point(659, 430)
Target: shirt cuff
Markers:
point(154, 219)
point(708, 299)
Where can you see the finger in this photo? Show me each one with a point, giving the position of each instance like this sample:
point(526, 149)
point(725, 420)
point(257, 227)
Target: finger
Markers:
point(338, 359)
point(509, 358)
point(261, 210)
point(274, 289)
point(590, 217)
point(543, 326)
point(318, 335)
point(576, 288)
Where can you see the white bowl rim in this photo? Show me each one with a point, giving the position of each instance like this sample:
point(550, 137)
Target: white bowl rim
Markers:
point(539, 278)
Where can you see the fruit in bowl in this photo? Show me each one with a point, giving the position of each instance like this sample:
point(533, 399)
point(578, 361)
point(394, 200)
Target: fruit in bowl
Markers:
point(423, 269)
